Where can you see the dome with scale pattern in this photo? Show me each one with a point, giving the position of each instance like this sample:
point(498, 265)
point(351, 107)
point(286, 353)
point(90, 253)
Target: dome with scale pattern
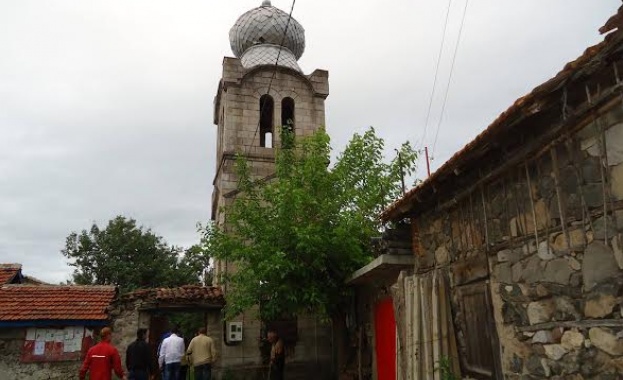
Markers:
point(257, 34)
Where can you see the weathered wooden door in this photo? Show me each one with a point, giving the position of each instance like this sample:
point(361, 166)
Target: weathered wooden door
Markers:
point(385, 337)
point(481, 357)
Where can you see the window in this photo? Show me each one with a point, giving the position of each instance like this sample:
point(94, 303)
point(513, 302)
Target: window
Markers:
point(267, 107)
point(287, 114)
point(287, 121)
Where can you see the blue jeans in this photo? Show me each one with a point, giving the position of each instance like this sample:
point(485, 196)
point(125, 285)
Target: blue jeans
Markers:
point(172, 371)
point(203, 372)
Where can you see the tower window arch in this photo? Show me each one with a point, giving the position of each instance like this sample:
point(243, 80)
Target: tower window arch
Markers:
point(287, 122)
point(267, 108)
point(287, 113)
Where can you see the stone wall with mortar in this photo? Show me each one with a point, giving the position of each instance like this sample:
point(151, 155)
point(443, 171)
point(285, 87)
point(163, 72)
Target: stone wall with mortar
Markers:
point(547, 234)
point(236, 114)
point(241, 360)
point(11, 368)
point(311, 354)
point(127, 318)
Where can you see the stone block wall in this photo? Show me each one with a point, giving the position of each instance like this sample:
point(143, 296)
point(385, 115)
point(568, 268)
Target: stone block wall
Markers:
point(11, 368)
point(244, 360)
point(547, 235)
point(237, 114)
point(126, 319)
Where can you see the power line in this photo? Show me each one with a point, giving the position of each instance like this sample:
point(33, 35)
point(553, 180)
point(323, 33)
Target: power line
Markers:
point(283, 39)
point(430, 103)
point(445, 98)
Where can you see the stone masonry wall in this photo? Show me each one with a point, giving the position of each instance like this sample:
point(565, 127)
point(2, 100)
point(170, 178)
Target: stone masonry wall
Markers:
point(11, 342)
point(237, 113)
point(548, 236)
point(312, 353)
point(126, 320)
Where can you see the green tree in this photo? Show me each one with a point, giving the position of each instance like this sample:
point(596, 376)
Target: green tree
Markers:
point(128, 256)
point(196, 263)
point(295, 239)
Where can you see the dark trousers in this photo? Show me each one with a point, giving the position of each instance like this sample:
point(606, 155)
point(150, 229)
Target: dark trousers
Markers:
point(172, 371)
point(138, 374)
point(276, 371)
point(203, 372)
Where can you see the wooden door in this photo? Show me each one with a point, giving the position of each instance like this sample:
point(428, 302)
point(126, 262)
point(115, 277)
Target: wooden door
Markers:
point(385, 338)
point(481, 354)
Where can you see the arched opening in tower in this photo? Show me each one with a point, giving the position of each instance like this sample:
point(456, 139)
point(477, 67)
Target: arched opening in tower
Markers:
point(267, 107)
point(287, 120)
point(287, 113)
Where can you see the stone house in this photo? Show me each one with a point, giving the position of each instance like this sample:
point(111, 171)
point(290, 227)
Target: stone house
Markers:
point(45, 330)
point(517, 240)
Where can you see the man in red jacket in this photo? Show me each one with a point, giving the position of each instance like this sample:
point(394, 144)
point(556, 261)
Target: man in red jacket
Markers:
point(102, 359)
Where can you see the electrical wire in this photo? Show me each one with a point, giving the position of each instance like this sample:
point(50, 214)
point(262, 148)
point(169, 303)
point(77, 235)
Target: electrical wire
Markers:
point(445, 98)
point(283, 38)
point(432, 95)
point(285, 32)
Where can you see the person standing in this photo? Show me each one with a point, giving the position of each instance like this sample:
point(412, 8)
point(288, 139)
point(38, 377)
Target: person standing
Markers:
point(102, 359)
point(202, 354)
point(277, 356)
point(138, 357)
point(171, 353)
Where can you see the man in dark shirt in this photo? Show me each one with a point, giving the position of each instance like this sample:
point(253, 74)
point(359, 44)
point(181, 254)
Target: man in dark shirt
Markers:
point(138, 357)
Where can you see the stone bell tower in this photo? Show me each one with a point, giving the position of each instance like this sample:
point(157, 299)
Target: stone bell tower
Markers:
point(262, 89)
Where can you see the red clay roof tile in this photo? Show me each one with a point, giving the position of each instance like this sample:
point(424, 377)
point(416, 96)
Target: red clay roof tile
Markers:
point(55, 302)
point(183, 294)
point(8, 272)
point(393, 211)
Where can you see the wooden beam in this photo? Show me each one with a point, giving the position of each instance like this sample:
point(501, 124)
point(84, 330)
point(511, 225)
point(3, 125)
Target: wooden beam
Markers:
point(573, 324)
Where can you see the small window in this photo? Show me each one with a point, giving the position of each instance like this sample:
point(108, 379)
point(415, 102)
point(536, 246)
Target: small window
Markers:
point(267, 107)
point(287, 121)
point(287, 114)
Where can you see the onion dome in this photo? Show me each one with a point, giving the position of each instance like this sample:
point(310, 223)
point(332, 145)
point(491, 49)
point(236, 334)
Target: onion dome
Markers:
point(257, 35)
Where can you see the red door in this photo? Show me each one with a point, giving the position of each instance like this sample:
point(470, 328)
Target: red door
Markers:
point(385, 334)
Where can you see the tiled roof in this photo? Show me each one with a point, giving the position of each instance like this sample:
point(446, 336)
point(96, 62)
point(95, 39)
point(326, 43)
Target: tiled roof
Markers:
point(522, 106)
point(55, 302)
point(30, 280)
point(8, 272)
point(182, 295)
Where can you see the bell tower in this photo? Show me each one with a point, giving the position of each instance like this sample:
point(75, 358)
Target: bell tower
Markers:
point(262, 89)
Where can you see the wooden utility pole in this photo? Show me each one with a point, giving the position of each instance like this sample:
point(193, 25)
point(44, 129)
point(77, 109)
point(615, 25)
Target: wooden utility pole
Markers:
point(427, 161)
point(402, 173)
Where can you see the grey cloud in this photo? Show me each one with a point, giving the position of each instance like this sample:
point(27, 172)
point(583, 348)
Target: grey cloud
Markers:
point(106, 106)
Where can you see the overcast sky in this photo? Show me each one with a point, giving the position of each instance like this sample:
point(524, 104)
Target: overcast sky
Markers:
point(106, 105)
